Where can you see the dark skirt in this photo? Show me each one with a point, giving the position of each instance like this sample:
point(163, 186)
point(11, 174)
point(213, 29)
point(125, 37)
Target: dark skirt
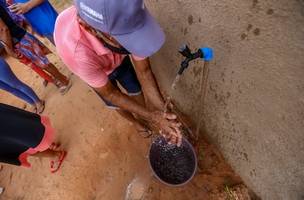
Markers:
point(22, 134)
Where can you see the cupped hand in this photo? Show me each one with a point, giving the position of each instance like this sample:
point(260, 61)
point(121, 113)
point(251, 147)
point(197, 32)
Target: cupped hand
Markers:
point(167, 126)
point(20, 8)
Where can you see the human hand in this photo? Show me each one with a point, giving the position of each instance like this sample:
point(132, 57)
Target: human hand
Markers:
point(12, 53)
point(8, 49)
point(167, 126)
point(20, 8)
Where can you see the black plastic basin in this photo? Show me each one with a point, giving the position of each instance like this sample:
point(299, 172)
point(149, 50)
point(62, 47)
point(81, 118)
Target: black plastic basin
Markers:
point(172, 165)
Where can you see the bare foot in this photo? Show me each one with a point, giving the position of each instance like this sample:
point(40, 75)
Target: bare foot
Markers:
point(40, 106)
point(45, 83)
point(63, 88)
point(33, 108)
point(55, 146)
point(57, 162)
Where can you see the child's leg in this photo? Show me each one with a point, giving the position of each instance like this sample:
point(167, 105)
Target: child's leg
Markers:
point(21, 90)
point(20, 86)
point(34, 50)
point(42, 73)
point(50, 38)
point(48, 154)
point(23, 59)
point(10, 83)
point(16, 92)
point(57, 157)
point(56, 74)
point(39, 104)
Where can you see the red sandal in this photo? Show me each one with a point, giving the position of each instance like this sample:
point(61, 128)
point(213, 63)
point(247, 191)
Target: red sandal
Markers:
point(59, 162)
point(55, 146)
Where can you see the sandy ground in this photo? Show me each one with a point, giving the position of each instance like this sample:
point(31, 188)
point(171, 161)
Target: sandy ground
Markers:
point(107, 159)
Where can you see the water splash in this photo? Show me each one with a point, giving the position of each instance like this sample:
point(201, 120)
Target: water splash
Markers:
point(177, 78)
point(135, 190)
point(138, 188)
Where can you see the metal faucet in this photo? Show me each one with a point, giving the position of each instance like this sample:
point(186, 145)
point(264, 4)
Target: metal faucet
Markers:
point(189, 56)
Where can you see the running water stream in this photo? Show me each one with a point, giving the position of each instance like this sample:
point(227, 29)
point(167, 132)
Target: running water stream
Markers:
point(173, 86)
point(202, 93)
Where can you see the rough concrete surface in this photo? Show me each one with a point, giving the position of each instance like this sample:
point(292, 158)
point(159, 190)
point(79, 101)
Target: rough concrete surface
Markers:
point(255, 102)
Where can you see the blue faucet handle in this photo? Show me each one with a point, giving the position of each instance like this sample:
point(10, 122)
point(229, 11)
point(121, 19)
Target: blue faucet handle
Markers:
point(207, 53)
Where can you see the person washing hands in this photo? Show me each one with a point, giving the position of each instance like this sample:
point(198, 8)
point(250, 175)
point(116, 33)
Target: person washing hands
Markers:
point(109, 42)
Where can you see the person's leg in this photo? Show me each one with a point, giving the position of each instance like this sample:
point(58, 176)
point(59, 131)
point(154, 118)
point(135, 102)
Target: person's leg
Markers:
point(18, 88)
point(38, 105)
point(36, 69)
point(49, 153)
point(25, 89)
point(51, 39)
point(56, 156)
point(42, 73)
point(31, 48)
point(16, 92)
point(10, 83)
point(50, 68)
point(41, 51)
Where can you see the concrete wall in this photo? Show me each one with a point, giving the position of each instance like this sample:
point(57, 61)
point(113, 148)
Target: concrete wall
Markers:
point(255, 102)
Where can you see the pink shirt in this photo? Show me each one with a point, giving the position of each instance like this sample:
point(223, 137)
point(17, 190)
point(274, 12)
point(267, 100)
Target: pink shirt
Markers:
point(82, 52)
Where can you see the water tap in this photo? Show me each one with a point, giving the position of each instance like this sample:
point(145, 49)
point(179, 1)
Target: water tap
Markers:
point(205, 53)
